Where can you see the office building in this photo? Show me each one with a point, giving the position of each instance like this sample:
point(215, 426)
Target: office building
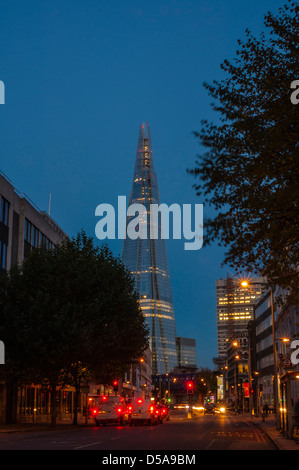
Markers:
point(146, 259)
point(186, 348)
point(22, 226)
point(235, 307)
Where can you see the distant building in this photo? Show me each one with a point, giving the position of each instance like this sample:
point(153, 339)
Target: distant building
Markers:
point(186, 348)
point(237, 371)
point(235, 308)
point(146, 259)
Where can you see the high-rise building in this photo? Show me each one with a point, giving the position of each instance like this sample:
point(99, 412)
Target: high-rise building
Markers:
point(146, 259)
point(235, 307)
point(186, 352)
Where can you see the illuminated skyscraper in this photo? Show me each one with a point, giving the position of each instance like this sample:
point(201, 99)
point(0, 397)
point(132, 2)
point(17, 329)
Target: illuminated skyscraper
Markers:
point(235, 307)
point(146, 259)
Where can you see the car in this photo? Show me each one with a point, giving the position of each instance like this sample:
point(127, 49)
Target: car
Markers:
point(209, 409)
point(220, 410)
point(109, 410)
point(164, 412)
point(198, 408)
point(181, 407)
point(143, 411)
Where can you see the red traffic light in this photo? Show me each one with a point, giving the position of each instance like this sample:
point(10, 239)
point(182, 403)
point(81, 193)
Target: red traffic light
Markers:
point(190, 385)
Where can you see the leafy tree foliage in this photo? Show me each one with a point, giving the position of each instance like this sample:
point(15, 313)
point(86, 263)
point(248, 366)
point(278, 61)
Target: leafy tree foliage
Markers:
point(68, 311)
point(248, 170)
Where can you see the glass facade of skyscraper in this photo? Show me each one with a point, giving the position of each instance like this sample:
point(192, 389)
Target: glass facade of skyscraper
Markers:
point(146, 259)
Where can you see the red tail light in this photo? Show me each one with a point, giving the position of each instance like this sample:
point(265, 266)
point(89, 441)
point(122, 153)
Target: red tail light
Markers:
point(139, 401)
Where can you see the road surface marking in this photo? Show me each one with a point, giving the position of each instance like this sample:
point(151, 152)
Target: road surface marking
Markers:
point(88, 445)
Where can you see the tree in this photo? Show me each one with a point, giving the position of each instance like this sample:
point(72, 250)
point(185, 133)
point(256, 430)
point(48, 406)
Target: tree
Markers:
point(248, 168)
point(70, 311)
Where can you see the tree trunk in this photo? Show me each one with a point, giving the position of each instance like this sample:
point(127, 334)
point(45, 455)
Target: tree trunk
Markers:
point(76, 401)
point(53, 404)
point(11, 403)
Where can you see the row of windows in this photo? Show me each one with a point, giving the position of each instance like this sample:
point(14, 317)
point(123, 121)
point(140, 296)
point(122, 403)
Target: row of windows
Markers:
point(3, 251)
point(4, 211)
point(34, 237)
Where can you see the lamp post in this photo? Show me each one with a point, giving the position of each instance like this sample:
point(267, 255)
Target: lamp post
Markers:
point(276, 384)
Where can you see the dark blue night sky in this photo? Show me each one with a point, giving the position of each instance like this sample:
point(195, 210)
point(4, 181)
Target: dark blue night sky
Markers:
point(80, 77)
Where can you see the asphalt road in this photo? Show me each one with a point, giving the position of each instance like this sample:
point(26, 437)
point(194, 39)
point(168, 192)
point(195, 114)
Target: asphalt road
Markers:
point(210, 432)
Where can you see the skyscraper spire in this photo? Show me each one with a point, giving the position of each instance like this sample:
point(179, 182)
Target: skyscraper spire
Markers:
point(146, 259)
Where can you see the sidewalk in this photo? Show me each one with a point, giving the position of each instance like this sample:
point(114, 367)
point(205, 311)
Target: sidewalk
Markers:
point(268, 426)
point(43, 426)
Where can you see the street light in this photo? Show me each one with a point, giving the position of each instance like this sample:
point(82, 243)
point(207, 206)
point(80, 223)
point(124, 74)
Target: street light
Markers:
point(244, 283)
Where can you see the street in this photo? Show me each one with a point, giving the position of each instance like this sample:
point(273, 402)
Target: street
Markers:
point(209, 432)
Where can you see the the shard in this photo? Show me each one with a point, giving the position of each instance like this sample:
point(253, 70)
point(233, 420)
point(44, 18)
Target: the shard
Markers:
point(146, 259)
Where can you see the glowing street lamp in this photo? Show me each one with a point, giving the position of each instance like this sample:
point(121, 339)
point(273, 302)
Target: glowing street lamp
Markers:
point(244, 283)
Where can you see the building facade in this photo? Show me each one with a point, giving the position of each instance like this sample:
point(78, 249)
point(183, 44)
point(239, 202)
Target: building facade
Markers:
point(264, 352)
point(24, 227)
point(235, 307)
point(186, 348)
point(146, 259)
point(287, 337)
point(237, 375)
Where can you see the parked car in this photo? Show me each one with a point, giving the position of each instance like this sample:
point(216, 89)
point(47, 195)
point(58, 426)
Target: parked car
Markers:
point(109, 410)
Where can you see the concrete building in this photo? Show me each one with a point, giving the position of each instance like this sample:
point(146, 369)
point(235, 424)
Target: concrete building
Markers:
point(22, 226)
point(287, 341)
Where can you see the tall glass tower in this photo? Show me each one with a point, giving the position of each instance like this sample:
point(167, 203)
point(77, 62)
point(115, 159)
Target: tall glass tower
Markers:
point(146, 259)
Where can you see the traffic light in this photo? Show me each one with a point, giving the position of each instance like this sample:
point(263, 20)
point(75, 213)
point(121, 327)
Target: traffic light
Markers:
point(115, 385)
point(190, 387)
